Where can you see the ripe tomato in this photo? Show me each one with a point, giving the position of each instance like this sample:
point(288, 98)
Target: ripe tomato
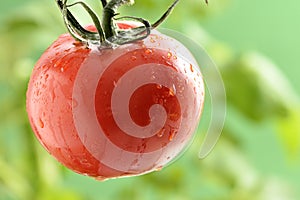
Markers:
point(115, 112)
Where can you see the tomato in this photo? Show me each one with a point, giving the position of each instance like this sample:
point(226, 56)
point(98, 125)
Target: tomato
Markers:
point(115, 112)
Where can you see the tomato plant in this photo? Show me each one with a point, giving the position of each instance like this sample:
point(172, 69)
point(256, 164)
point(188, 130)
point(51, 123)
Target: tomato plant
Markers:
point(116, 99)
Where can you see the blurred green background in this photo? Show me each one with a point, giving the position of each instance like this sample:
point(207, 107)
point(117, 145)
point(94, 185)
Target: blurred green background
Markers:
point(256, 46)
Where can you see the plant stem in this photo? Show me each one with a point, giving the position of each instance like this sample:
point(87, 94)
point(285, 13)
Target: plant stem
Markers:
point(109, 12)
point(104, 2)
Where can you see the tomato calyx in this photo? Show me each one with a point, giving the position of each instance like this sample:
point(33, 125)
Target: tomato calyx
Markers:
point(107, 34)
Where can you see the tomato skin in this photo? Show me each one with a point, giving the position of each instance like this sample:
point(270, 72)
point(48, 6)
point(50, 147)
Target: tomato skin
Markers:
point(77, 105)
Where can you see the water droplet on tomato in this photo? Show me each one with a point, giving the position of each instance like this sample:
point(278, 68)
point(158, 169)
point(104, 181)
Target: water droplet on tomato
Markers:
point(161, 132)
point(62, 69)
point(169, 55)
point(101, 178)
point(148, 51)
point(77, 44)
point(172, 91)
point(172, 134)
point(168, 63)
point(133, 58)
point(191, 68)
point(46, 77)
point(52, 96)
point(161, 101)
point(159, 168)
point(41, 123)
point(195, 90)
point(74, 103)
point(152, 40)
point(180, 88)
point(158, 86)
point(134, 163)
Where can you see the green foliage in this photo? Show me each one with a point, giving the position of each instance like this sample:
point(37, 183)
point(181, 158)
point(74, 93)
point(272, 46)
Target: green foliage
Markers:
point(257, 157)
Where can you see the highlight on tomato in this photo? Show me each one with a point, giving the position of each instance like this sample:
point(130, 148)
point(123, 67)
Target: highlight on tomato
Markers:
point(117, 98)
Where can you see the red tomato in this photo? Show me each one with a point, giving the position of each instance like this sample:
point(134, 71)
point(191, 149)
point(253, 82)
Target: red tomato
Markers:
point(115, 112)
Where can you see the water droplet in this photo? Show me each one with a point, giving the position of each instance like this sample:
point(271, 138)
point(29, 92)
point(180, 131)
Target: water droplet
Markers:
point(46, 77)
point(37, 92)
point(172, 134)
point(195, 90)
point(148, 51)
point(168, 63)
point(180, 88)
point(74, 103)
point(77, 44)
point(62, 69)
point(161, 101)
point(56, 45)
point(191, 68)
point(172, 90)
point(134, 162)
point(159, 168)
point(161, 132)
point(85, 81)
point(101, 178)
point(152, 77)
point(175, 57)
point(158, 86)
point(41, 123)
point(169, 55)
point(52, 95)
point(133, 58)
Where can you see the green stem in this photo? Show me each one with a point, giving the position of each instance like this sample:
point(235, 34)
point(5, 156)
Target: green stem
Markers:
point(107, 32)
point(104, 2)
point(109, 12)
